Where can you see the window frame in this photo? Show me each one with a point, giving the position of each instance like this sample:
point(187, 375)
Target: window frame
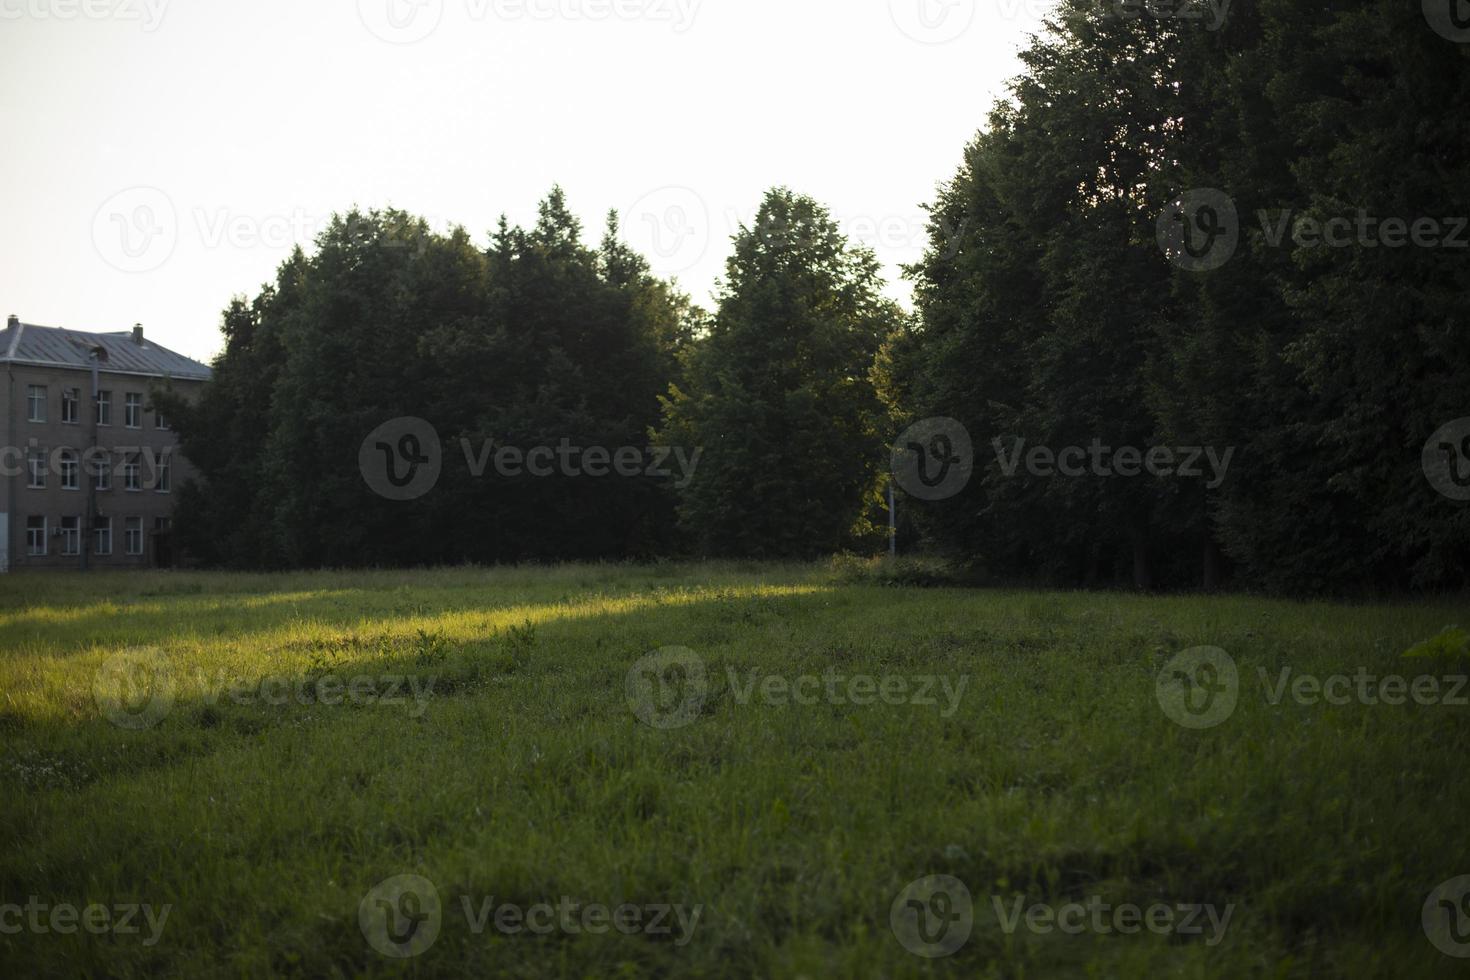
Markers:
point(37, 468)
point(37, 395)
point(99, 526)
point(130, 525)
point(70, 466)
point(132, 410)
point(71, 537)
point(45, 530)
point(102, 478)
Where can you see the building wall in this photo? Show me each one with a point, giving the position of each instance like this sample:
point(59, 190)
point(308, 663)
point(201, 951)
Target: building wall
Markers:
point(18, 501)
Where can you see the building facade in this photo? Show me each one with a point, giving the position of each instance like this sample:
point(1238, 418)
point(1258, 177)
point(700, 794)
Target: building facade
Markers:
point(88, 466)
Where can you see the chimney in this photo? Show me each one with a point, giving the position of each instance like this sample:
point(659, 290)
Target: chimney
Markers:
point(13, 322)
point(138, 334)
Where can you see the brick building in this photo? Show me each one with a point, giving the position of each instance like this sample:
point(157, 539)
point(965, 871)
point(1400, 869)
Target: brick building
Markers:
point(81, 436)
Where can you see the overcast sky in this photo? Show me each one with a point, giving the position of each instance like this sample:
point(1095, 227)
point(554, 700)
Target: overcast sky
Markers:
point(161, 156)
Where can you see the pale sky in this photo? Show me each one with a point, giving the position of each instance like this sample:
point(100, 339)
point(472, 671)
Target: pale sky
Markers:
point(162, 156)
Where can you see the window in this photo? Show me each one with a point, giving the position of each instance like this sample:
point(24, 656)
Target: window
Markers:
point(71, 535)
point(132, 477)
point(36, 537)
point(133, 410)
point(71, 401)
point(133, 534)
point(163, 523)
point(36, 403)
point(100, 465)
point(104, 408)
point(163, 475)
point(36, 469)
point(159, 422)
point(102, 535)
point(70, 471)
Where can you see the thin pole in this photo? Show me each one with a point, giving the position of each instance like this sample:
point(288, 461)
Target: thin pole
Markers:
point(892, 523)
point(88, 530)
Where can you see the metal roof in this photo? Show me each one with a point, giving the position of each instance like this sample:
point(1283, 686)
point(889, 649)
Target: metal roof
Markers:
point(27, 343)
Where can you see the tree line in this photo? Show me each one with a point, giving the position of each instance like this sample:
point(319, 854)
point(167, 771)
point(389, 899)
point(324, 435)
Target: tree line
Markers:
point(1235, 242)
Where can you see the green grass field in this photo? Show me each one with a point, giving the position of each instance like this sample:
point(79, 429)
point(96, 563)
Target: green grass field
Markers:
point(258, 753)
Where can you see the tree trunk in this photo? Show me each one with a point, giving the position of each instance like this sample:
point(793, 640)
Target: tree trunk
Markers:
point(1143, 569)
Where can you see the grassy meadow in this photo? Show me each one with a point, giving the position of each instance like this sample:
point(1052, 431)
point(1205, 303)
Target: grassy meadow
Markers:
point(259, 753)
